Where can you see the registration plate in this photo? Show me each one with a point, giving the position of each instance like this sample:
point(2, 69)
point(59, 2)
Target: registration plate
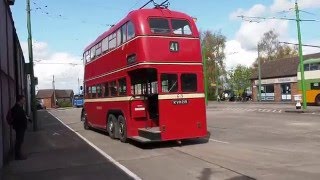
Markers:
point(180, 101)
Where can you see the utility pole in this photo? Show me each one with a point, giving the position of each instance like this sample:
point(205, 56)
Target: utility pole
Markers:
point(217, 79)
point(303, 87)
point(33, 97)
point(259, 72)
point(79, 85)
point(54, 91)
point(204, 59)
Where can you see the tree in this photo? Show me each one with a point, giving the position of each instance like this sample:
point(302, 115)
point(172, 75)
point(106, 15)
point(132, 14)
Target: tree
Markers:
point(270, 48)
point(240, 79)
point(214, 45)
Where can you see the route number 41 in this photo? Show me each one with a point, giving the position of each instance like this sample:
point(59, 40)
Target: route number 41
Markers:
point(174, 46)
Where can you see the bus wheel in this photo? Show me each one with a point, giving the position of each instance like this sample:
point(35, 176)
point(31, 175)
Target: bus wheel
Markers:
point(85, 121)
point(122, 129)
point(318, 100)
point(111, 125)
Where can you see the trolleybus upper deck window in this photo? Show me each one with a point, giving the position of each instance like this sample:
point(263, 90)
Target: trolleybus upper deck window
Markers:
point(159, 25)
point(131, 32)
point(181, 27)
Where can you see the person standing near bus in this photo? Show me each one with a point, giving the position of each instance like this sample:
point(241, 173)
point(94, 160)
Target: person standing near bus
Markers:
point(19, 124)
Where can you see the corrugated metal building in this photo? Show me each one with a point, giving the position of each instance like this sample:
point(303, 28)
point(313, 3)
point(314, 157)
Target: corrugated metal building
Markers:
point(13, 80)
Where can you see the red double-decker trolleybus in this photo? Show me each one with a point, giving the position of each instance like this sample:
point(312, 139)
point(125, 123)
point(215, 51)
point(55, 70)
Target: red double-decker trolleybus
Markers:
point(144, 79)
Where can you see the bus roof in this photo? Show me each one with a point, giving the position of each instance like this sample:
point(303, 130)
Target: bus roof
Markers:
point(311, 61)
point(137, 14)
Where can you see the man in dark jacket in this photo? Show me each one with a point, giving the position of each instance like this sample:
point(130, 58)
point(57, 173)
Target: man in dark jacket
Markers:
point(20, 121)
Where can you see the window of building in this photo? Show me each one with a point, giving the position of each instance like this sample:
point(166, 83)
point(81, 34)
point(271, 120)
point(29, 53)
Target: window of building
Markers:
point(122, 87)
point(189, 82)
point(267, 92)
point(169, 83)
point(181, 27)
point(105, 44)
point(131, 31)
point(113, 88)
point(112, 41)
point(159, 25)
point(315, 86)
point(285, 91)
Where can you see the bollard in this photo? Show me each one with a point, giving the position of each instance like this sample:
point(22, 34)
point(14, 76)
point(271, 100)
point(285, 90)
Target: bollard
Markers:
point(298, 105)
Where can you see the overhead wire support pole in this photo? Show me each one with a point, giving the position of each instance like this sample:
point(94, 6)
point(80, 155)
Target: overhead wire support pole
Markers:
point(302, 84)
point(204, 59)
point(259, 73)
point(32, 88)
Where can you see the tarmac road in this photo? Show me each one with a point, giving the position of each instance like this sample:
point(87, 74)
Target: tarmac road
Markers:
point(244, 145)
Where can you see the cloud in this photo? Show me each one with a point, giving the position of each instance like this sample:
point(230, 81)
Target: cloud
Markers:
point(250, 34)
point(286, 5)
point(65, 67)
point(235, 55)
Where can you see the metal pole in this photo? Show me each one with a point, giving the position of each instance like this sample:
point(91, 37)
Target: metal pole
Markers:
point(33, 97)
point(259, 71)
point(217, 78)
point(54, 91)
point(78, 85)
point(204, 59)
point(303, 87)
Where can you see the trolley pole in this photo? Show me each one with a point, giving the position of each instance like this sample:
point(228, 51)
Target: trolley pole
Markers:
point(204, 59)
point(259, 71)
point(33, 97)
point(303, 87)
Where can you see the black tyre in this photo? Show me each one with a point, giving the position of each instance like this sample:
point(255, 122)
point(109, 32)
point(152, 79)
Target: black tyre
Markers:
point(317, 100)
point(122, 129)
point(111, 125)
point(85, 120)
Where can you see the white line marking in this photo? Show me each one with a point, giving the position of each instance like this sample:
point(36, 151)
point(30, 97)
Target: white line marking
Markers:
point(214, 140)
point(126, 170)
point(274, 110)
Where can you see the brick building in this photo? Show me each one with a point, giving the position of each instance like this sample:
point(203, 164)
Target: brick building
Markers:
point(46, 96)
point(13, 79)
point(278, 79)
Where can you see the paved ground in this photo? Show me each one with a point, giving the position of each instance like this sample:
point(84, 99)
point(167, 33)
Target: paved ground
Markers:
point(55, 152)
point(262, 107)
point(244, 145)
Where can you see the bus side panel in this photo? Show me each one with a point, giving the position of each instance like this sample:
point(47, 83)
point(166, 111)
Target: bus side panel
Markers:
point(184, 121)
point(97, 115)
point(311, 95)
